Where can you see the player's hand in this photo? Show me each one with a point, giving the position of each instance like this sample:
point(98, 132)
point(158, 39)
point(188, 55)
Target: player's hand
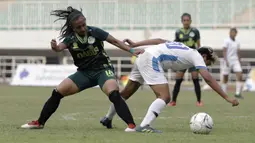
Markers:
point(234, 102)
point(53, 44)
point(136, 52)
point(130, 42)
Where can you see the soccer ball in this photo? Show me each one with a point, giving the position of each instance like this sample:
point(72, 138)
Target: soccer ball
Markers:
point(201, 123)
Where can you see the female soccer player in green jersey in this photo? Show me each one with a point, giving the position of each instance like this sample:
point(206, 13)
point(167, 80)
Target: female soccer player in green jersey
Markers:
point(85, 43)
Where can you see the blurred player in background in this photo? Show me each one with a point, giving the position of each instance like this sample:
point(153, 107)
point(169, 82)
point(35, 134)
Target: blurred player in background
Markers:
point(189, 36)
point(149, 69)
point(85, 43)
point(231, 53)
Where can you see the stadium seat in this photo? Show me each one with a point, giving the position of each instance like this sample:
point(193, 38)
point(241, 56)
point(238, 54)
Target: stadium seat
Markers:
point(114, 14)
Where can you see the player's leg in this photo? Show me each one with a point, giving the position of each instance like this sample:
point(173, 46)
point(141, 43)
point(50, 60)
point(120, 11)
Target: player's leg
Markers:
point(195, 78)
point(225, 82)
point(225, 72)
point(176, 90)
point(126, 93)
point(68, 86)
point(154, 76)
point(109, 86)
point(65, 88)
point(163, 97)
point(135, 80)
point(239, 84)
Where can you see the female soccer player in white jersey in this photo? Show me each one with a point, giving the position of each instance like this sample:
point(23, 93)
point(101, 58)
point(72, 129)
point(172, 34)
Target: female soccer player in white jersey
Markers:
point(149, 69)
point(231, 53)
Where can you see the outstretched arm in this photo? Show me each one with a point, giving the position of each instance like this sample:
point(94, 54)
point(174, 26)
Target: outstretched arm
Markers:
point(145, 42)
point(122, 46)
point(117, 43)
point(105, 36)
point(215, 86)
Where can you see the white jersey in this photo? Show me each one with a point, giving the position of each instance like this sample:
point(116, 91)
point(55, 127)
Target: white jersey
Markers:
point(149, 67)
point(175, 56)
point(232, 49)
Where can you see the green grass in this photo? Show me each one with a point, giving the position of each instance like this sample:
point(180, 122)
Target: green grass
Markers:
point(77, 119)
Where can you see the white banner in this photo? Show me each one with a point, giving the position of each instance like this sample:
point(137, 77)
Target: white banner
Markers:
point(250, 82)
point(41, 75)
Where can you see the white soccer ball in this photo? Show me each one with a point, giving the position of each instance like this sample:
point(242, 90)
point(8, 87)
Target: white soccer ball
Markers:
point(201, 123)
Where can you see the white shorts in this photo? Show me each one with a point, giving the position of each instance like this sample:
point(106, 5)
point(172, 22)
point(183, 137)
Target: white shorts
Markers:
point(234, 65)
point(144, 71)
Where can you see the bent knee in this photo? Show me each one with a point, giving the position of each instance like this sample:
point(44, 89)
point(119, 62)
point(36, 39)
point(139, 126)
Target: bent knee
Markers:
point(167, 99)
point(125, 95)
point(109, 86)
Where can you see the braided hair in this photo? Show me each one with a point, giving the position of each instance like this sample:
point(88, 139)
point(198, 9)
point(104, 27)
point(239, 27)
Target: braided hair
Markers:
point(70, 14)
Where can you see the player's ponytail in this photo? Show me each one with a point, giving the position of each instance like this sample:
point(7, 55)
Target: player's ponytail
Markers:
point(211, 55)
point(70, 14)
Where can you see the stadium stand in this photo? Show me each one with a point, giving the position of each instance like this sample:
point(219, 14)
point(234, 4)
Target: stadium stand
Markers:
point(126, 14)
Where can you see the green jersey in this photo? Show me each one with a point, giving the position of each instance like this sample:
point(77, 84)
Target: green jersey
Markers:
point(188, 37)
point(88, 52)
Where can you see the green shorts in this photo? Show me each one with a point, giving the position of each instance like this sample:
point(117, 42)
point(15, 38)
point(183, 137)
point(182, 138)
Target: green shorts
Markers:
point(190, 70)
point(90, 78)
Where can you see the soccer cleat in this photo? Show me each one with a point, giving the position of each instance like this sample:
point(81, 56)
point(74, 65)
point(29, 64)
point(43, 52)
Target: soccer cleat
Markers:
point(32, 125)
point(200, 103)
point(106, 122)
point(239, 96)
point(130, 129)
point(147, 129)
point(172, 103)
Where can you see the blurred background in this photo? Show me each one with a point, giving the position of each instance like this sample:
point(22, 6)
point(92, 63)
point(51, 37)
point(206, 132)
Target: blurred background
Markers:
point(26, 29)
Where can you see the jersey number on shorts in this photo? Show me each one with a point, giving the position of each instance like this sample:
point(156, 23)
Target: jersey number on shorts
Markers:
point(176, 45)
point(109, 73)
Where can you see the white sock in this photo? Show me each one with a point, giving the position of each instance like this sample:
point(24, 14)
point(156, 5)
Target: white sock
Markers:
point(155, 108)
point(224, 87)
point(111, 112)
point(239, 85)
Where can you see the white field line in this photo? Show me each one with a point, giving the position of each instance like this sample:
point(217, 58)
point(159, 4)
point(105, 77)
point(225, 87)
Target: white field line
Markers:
point(237, 117)
point(70, 116)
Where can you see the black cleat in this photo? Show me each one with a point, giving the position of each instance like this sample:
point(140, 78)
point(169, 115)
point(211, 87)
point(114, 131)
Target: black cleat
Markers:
point(106, 122)
point(239, 96)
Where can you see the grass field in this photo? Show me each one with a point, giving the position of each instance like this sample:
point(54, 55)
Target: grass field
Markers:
point(77, 119)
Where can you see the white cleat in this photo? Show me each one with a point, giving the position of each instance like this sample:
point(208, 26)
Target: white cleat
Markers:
point(130, 130)
point(32, 125)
